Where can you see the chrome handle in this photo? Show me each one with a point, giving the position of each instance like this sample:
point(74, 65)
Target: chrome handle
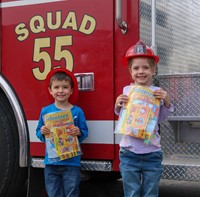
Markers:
point(122, 24)
point(85, 81)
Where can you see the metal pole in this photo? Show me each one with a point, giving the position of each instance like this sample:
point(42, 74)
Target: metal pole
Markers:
point(118, 13)
point(153, 26)
point(122, 24)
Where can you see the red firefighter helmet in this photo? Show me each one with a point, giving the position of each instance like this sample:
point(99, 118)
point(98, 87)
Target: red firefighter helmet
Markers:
point(140, 50)
point(74, 96)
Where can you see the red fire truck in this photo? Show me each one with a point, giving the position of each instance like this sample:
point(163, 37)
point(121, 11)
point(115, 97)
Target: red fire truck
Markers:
point(90, 38)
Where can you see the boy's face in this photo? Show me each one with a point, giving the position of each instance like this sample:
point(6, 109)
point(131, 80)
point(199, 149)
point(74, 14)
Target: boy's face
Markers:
point(141, 71)
point(61, 90)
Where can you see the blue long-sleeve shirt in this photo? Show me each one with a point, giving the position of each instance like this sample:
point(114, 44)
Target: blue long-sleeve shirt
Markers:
point(79, 121)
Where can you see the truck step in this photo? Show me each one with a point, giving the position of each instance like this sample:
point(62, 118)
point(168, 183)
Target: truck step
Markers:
point(181, 167)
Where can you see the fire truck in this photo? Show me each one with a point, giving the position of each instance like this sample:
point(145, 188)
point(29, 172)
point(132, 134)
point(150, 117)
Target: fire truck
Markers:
point(90, 38)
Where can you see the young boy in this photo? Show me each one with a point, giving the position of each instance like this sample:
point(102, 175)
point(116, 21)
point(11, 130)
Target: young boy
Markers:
point(140, 163)
point(62, 177)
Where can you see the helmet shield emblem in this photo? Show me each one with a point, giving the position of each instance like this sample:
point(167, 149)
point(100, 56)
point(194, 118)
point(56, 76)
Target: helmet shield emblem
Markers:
point(140, 48)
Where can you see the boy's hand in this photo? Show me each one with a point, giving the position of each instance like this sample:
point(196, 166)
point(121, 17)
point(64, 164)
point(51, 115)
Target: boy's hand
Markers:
point(75, 131)
point(162, 94)
point(45, 131)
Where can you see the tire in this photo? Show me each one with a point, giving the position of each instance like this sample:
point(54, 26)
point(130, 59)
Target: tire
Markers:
point(13, 178)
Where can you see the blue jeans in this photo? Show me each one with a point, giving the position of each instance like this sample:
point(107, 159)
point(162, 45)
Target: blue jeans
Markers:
point(141, 173)
point(62, 181)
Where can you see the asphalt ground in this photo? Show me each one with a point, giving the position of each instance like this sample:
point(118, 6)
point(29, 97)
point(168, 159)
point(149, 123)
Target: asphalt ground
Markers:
point(106, 188)
point(168, 188)
point(171, 188)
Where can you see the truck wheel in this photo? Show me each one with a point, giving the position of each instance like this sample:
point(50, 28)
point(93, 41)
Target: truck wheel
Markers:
point(12, 177)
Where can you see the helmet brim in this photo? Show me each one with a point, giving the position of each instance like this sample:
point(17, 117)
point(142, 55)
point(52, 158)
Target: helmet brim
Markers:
point(125, 59)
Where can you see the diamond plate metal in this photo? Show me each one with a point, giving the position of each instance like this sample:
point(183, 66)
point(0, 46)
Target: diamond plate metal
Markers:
point(177, 34)
point(87, 165)
point(181, 173)
point(184, 92)
point(105, 166)
point(37, 162)
point(181, 160)
point(178, 41)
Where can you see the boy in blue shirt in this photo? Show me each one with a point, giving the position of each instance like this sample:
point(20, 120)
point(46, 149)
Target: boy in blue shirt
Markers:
point(62, 177)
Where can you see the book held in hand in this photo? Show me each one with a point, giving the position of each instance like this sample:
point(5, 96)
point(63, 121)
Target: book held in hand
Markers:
point(139, 115)
point(60, 144)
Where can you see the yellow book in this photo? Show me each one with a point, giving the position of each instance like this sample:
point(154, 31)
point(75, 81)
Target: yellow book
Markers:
point(140, 114)
point(59, 143)
point(66, 146)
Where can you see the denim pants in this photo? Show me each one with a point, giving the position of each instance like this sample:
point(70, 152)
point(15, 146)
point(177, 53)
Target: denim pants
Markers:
point(62, 181)
point(141, 173)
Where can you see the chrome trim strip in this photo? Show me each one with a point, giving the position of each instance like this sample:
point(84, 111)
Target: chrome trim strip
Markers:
point(88, 165)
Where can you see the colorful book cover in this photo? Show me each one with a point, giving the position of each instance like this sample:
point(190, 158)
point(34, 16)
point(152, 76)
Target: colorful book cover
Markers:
point(59, 144)
point(140, 114)
point(66, 146)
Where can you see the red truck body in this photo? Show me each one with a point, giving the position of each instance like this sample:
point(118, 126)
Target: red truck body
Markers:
point(82, 36)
